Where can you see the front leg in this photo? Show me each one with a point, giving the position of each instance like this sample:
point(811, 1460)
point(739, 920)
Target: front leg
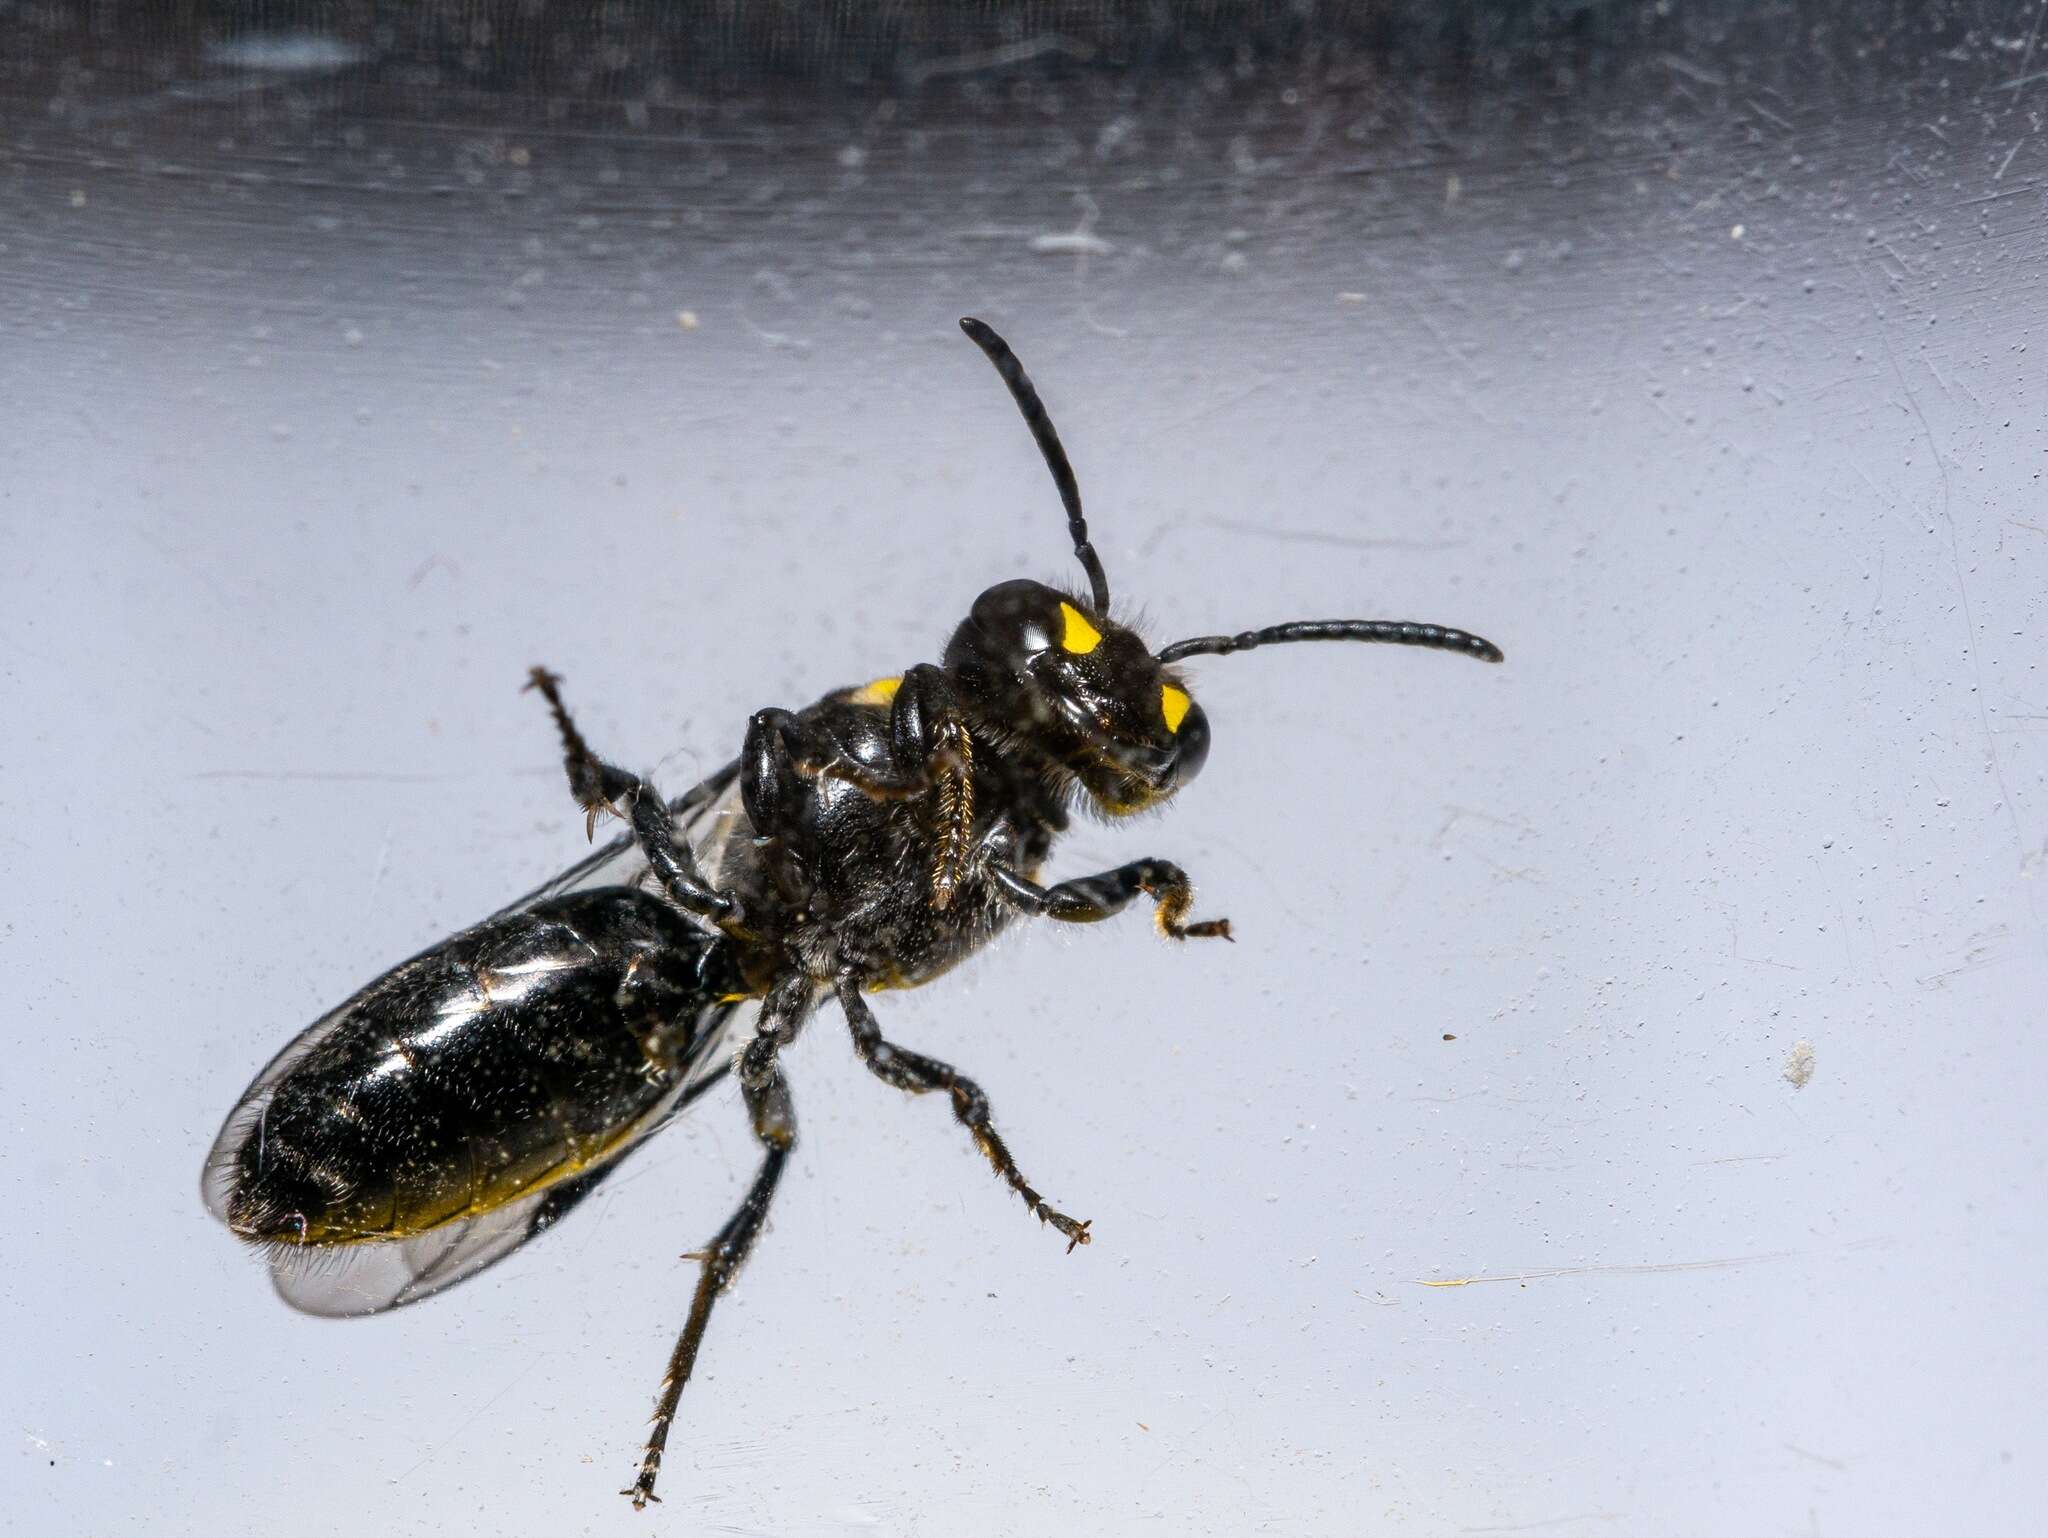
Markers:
point(918, 1074)
point(1090, 899)
point(929, 750)
point(602, 787)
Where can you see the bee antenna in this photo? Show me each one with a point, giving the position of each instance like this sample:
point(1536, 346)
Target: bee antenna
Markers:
point(1399, 632)
point(983, 336)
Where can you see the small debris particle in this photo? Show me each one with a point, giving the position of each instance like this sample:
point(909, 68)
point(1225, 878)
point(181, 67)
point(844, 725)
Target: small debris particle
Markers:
point(687, 319)
point(1450, 1036)
point(1799, 1065)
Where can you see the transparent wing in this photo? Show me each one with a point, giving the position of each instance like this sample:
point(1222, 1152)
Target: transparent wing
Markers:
point(704, 815)
point(340, 1281)
point(370, 1277)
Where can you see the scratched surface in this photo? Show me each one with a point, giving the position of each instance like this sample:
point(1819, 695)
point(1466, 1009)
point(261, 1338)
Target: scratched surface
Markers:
point(1621, 1111)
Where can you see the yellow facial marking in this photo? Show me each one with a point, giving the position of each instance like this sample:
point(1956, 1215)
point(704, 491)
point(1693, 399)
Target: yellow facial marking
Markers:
point(1080, 637)
point(880, 692)
point(1174, 702)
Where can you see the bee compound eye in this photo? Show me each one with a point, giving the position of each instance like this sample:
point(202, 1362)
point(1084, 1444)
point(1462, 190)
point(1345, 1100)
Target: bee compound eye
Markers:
point(1191, 743)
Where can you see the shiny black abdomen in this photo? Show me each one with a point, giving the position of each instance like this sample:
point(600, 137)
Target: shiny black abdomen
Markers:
point(503, 1060)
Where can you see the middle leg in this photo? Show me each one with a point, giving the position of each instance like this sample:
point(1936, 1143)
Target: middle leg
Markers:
point(918, 1074)
point(774, 1119)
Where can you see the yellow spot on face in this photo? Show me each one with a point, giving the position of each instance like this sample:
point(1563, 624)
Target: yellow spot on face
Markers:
point(1080, 637)
point(880, 692)
point(1174, 702)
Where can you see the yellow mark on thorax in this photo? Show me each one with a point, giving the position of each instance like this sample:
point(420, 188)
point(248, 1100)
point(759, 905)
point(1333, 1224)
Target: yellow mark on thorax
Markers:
point(880, 692)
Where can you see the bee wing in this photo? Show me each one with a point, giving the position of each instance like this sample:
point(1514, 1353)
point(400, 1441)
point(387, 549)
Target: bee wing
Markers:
point(704, 814)
point(375, 1275)
point(700, 814)
point(339, 1281)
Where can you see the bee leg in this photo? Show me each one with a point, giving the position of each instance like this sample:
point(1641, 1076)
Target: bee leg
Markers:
point(926, 740)
point(602, 787)
point(774, 1120)
point(930, 749)
point(918, 1074)
point(1090, 899)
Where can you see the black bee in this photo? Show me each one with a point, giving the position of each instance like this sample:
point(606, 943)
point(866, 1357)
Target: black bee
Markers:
point(468, 1098)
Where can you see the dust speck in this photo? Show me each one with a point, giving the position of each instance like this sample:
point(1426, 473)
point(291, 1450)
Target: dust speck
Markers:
point(1799, 1064)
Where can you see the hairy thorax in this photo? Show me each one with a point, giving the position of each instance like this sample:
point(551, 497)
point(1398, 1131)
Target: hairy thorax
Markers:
point(862, 884)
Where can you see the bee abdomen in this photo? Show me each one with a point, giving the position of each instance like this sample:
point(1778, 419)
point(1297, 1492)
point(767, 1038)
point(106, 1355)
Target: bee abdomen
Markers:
point(506, 1058)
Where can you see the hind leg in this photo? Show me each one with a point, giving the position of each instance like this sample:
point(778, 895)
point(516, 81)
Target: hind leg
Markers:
point(774, 1121)
point(918, 1074)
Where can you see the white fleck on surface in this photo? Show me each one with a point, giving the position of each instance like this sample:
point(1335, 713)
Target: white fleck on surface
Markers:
point(1799, 1065)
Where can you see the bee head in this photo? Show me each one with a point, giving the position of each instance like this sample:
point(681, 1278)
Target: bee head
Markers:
point(1085, 690)
point(1055, 668)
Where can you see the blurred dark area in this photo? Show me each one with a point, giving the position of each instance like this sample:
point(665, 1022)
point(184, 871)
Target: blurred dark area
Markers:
point(651, 55)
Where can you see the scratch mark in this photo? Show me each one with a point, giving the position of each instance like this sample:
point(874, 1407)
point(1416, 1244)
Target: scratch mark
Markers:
point(1530, 1527)
point(435, 562)
point(338, 776)
point(1974, 960)
point(1999, 174)
point(1659, 1269)
point(1997, 197)
point(2033, 36)
point(1021, 52)
point(1705, 76)
point(377, 875)
point(1323, 537)
point(1735, 946)
point(1458, 814)
point(1229, 403)
point(1955, 552)
point(1437, 333)
point(1071, 243)
point(1766, 113)
point(435, 1451)
point(1831, 1463)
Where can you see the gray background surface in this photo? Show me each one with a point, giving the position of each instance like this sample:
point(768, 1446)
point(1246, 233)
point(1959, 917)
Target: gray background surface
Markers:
point(1701, 369)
